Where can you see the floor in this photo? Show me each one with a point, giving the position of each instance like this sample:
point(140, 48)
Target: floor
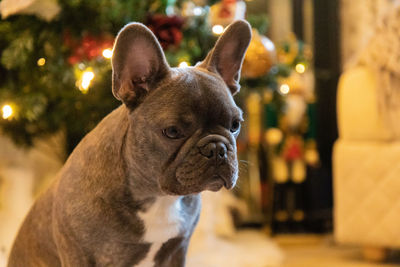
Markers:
point(253, 249)
point(321, 251)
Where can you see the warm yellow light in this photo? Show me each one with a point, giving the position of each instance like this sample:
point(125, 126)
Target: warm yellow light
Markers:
point(284, 89)
point(87, 78)
point(183, 64)
point(107, 53)
point(41, 61)
point(300, 68)
point(7, 111)
point(217, 29)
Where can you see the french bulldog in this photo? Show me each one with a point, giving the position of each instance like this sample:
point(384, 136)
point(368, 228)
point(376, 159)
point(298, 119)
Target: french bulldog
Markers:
point(128, 195)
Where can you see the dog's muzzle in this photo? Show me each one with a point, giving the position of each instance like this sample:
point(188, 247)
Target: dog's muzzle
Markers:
point(215, 149)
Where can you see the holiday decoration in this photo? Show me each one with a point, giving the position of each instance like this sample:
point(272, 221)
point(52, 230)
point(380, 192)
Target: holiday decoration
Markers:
point(298, 171)
point(293, 148)
point(168, 29)
point(285, 81)
point(296, 107)
point(273, 136)
point(88, 47)
point(311, 155)
point(189, 9)
point(280, 170)
point(293, 52)
point(44, 9)
point(260, 56)
point(297, 149)
point(56, 76)
point(7, 111)
point(226, 11)
point(254, 111)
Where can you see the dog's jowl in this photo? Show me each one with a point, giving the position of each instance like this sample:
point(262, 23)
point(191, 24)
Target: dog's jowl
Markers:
point(129, 193)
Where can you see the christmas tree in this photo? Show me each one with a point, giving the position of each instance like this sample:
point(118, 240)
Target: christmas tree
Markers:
point(55, 68)
point(55, 59)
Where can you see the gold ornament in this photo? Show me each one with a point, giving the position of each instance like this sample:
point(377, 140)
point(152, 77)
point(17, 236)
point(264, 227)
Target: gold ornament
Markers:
point(288, 52)
point(260, 56)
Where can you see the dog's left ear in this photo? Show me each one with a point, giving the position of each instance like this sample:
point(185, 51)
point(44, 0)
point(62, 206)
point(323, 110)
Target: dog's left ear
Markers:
point(227, 56)
point(138, 64)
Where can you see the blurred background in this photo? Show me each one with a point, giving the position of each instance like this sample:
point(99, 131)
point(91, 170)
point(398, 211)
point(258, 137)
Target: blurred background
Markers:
point(319, 174)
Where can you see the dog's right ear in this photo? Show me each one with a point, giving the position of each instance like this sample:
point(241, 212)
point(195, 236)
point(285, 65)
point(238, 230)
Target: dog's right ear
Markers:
point(138, 64)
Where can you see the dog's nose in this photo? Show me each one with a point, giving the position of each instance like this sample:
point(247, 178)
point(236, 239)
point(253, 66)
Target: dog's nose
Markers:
point(216, 150)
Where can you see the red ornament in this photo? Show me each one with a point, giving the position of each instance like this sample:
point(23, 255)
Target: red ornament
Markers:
point(167, 29)
point(88, 47)
point(72, 60)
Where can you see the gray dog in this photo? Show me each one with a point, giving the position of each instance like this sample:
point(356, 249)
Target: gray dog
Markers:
point(129, 193)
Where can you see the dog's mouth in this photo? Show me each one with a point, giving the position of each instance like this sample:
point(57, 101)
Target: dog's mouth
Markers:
point(213, 183)
point(227, 181)
point(216, 183)
point(188, 186)
point(198, 174)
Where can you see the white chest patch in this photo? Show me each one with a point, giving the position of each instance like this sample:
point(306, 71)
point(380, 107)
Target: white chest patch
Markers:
point(162, 221)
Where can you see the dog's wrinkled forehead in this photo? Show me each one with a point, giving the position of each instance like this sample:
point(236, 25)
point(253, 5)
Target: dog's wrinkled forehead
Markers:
point(194, 92)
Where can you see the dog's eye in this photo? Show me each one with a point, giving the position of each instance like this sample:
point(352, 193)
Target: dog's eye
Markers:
point(172, 132)
point(235, 126)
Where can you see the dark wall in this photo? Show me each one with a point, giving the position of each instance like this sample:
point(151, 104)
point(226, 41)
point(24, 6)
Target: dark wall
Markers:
point(327, 72)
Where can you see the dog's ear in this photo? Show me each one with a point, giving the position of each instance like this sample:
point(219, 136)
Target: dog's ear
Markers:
point(227, 56)
point(138, 64)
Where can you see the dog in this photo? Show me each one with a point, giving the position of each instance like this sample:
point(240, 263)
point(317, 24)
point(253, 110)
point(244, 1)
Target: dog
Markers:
point(128, 195)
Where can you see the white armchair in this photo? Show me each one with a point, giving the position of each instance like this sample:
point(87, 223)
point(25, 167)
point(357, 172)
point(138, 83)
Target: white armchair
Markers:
point(366, 163)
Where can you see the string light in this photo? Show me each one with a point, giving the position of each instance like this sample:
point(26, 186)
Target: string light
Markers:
point(81, 66)
point(7, 111)
point(107, 53)
point(183, 64)
point(300, 68)
point(197, 11)
point(217, 29)
point(85, 81)
point(87, 77)
point(41, 61)
point(284, 89)
point(170, 10)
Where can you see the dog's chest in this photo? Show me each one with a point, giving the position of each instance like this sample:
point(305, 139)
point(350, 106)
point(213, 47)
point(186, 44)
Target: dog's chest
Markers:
point(163, 220)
